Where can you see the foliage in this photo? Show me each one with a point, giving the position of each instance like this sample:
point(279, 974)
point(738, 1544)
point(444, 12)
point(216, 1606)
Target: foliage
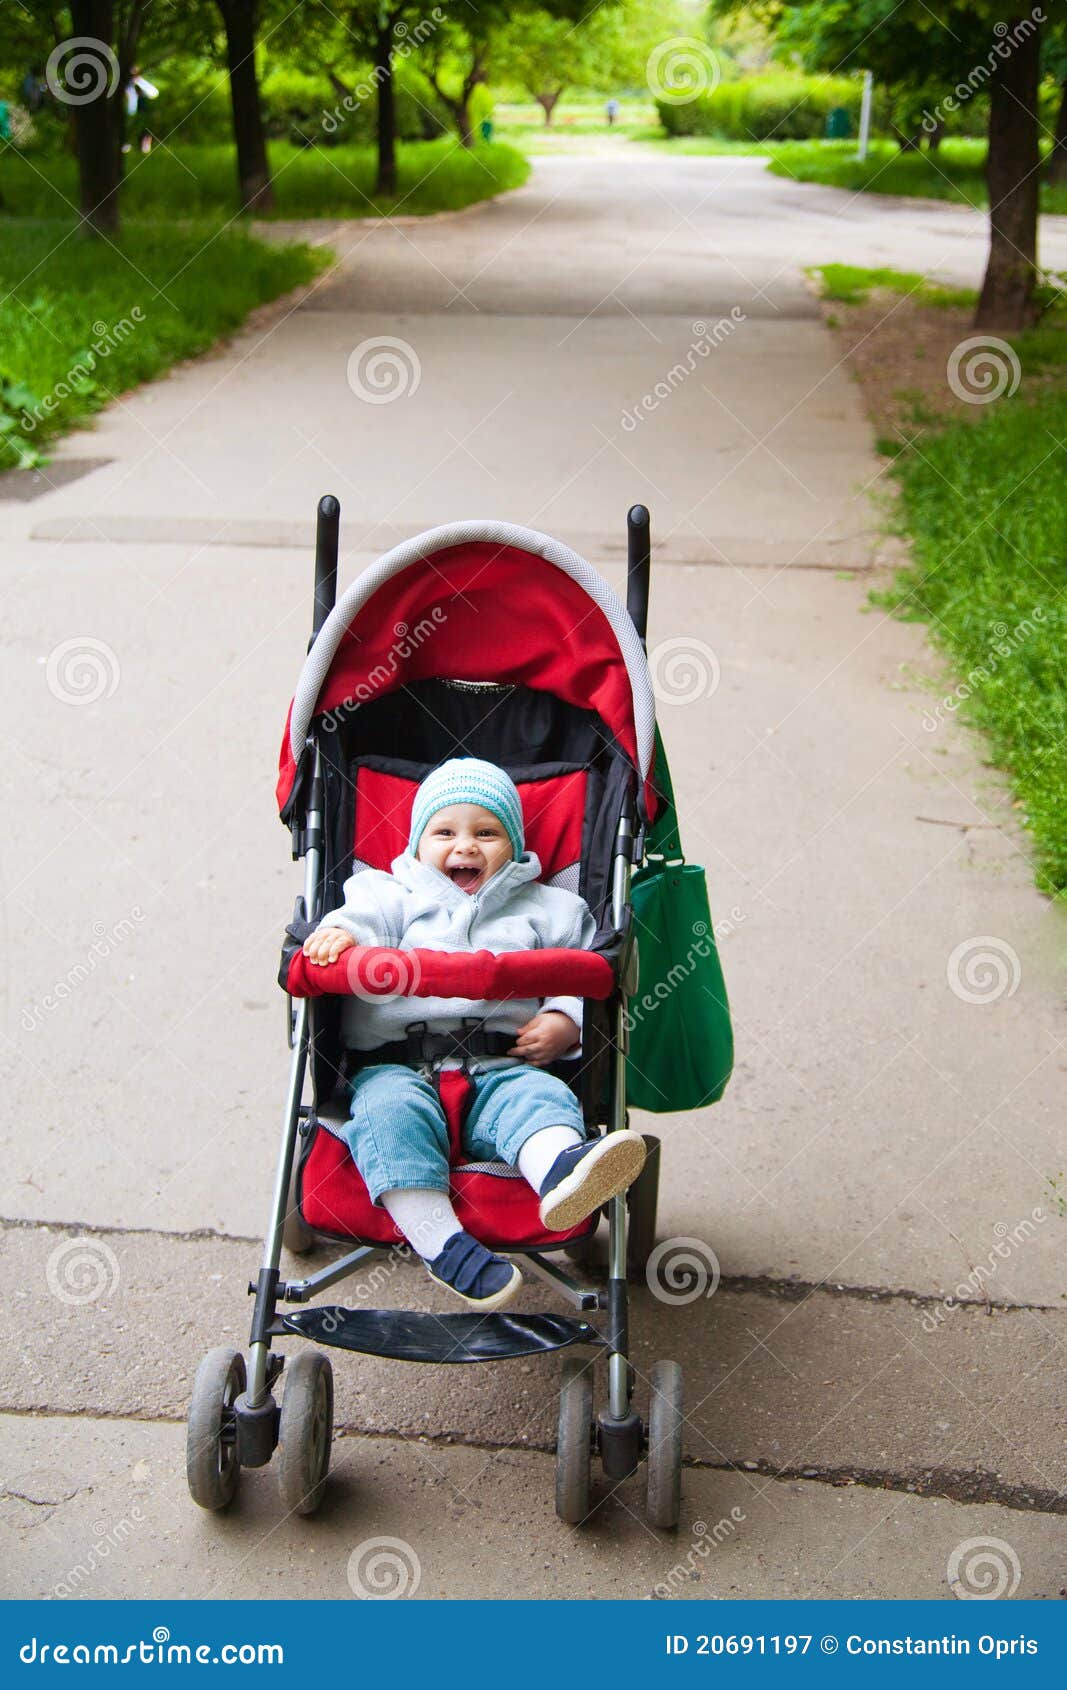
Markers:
point(955, 172)
point(783, 107)
point(160, 294)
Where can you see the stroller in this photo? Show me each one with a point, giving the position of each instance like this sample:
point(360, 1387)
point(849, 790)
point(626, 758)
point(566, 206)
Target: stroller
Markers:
point(486, 640)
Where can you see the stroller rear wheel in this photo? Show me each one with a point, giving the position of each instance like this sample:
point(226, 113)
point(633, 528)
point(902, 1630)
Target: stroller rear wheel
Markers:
point(212, 1467)
point(574, 1443)
point(305, 1430)
point(665, 1445)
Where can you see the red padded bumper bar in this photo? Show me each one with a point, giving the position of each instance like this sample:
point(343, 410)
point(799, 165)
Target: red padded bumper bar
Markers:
point(374, 971)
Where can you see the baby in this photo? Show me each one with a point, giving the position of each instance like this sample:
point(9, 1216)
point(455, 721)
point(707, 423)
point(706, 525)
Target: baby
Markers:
point(467, 883)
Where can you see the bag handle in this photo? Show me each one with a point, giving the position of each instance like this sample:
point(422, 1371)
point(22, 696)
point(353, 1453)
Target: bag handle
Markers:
point(664, 841)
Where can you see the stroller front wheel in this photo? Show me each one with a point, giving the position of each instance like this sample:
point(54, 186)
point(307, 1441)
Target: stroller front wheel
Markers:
point(305, 1431)
point(212, 1467)
point(665, 1445)
point(574, 1443)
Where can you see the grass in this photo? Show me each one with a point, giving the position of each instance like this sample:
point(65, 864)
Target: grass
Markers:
point(81, 321)
point(199, 182)
point(955, 172)
point(982, 502)
point(853, 285)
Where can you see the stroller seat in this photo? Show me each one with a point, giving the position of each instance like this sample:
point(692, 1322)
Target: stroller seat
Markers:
point(369, 795)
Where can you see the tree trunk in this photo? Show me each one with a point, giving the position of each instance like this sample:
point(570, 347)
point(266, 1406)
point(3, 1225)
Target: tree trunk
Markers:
point(1012, 172)
point(1057, 158)
point(934, 138)
point(255, 190)
point(96, 130)
point(548, 103)
point(383, 76)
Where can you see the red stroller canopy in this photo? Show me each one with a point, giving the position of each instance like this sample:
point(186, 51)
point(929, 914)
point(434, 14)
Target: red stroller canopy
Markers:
point(479, 601)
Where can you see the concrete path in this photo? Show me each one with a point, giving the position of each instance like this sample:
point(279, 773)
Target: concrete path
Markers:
point(895, 1118)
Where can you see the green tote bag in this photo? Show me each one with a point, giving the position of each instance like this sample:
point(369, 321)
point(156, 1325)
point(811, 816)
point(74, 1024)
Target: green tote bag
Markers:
point(681, 1046)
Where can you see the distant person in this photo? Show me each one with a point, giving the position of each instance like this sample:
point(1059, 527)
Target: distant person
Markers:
point(139, 92)
point(612, 111)
point(34, 89)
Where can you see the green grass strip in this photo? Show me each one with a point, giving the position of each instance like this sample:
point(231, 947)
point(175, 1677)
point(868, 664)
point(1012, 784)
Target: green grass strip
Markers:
point(82, 320)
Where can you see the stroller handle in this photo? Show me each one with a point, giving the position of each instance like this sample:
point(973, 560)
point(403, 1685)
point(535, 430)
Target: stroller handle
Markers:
point(638, 566)
point(373, 971)
point(327, 533)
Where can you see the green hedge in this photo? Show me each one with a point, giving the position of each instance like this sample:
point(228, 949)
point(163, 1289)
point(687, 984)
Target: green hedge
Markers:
point(765, 108)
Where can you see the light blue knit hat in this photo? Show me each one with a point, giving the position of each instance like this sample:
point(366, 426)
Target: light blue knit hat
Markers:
point(467, 780)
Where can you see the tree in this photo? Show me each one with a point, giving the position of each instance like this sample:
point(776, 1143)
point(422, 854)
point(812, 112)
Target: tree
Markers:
point(968, 52)
point(240, 20)
point(546, 53)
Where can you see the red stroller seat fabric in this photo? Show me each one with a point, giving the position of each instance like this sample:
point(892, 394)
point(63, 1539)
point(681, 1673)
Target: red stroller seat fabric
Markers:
point(499, 1208)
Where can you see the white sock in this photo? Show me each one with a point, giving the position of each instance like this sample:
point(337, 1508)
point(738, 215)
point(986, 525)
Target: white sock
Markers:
point(426, 1218)
point(540, 1151)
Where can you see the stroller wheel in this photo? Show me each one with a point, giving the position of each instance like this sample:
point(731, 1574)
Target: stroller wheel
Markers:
point(305, 1430)
point(575, 1441)
point(211, 1464)
point(665, 1445)
point(642, 1201)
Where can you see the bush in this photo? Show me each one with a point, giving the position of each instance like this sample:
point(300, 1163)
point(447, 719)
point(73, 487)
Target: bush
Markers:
point(764, 108)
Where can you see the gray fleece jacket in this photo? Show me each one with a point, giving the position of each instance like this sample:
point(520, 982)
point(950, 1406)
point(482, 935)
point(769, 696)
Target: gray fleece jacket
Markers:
point(417, 907)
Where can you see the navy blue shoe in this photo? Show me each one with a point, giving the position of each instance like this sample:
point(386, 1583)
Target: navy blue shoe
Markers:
point(473, 1274)
point(587, 1175)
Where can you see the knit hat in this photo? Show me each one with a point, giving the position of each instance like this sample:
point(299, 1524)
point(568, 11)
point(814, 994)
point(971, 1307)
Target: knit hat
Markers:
point(467, 780)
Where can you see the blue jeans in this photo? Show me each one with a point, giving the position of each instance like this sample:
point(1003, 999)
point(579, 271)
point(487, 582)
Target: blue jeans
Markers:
point(399, 1138)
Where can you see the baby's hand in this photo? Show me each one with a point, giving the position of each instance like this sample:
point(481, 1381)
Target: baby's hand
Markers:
point(327, 944)
point(547, 1036)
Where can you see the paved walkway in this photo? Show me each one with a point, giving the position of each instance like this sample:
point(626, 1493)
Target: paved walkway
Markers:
point(611, 332)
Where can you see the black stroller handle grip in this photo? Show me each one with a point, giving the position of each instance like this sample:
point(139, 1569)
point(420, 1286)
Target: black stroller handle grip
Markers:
point(327, 533)
point(638, 566)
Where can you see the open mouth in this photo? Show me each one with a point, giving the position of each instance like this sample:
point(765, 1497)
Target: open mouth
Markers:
point(465, 878)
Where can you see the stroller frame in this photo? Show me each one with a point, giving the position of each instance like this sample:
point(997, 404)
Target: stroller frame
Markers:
point(235, 1420)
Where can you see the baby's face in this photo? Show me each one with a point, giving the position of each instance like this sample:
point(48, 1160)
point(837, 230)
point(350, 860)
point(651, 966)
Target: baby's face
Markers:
point(467, 843)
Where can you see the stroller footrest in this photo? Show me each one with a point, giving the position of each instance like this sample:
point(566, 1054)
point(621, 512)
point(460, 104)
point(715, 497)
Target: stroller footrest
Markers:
point(406, 1336)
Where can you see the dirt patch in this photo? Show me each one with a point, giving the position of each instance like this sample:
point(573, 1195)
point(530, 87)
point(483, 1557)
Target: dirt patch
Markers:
point(899, 351)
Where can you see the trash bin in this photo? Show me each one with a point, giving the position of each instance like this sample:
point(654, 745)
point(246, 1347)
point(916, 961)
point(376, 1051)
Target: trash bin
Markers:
point(486, 127)
point(838, 124)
